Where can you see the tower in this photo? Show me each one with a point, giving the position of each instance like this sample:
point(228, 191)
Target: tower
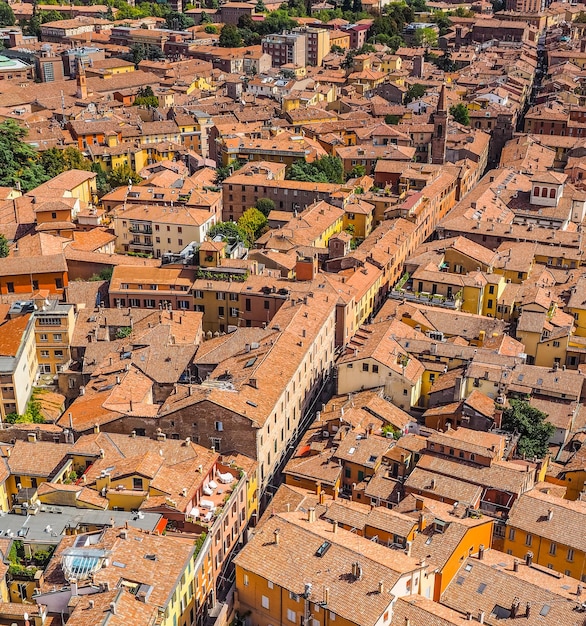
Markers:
point(440, 129)
point(81, 80)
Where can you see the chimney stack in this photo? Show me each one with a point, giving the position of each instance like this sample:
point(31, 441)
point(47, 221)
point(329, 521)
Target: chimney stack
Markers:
point(481, 617)
point(334, 527)
point(528, 610)
point(322, 497)
point(549, 515)
point(311, 515)
point(516, 565)
point(529, 559)
point(515, 608)
point(409, 547)
point(276, 534)
point(381, 586)
point(326, 595)
point(480, 552)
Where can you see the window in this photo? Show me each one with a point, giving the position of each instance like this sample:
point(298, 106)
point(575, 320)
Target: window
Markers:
point(489, 304)
point(365, 367)
point(511, 534)
point(291, 616)
point(375, 369)
point(220, 295)
point(219, 426)
point(58, 354)
point(216, 443)
point(44, 354)
point(270, 584)
point(528, 539)
point(552, 548)
point(198, 294)
point(220, 311)
point(179, 229)
point(556, 344)
point(265, 602)
point(266, 304)
point(137, 484)
point(58, 283)
point(491, 289)
point(570, 556)
point(234, 297)
point(134, 302)
point(10, 287)
point(405, 392)
point(42, 337)
point(347, 472)
point(149, 303)
point(247, 305)
point(360, 476)
point(245, 580)
point(35, 284)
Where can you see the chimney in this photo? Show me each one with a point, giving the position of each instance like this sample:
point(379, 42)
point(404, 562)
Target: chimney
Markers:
point(432, 485)
point(408, 548)
point(276, 535)
point(253, 383)
point(528, 610)
point(96, 429)
point(91, 604)
point(322, 497)
point(124, 534)
point(311, 515)
point(480, 552)
point(549, 515)
point(318, 489)
point(579, 590)
point(381, 586)
point(529, 559)
point(32, 438)
point(326, 596)
point(113, 608)
point(516, 565)
point(421, 522)
point(481, 617)
point(515, 607)
point(73, 586)
point(334, 527)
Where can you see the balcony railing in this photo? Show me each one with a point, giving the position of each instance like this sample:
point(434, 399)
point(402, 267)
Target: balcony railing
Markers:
point(422, 297)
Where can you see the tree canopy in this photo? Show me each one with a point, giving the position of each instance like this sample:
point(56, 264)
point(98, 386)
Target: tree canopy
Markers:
point(120, 176)
point(4, 249)
point(327, 169)
point(146, 97)
point(230, 37)
point(178, 21)
point(265, 206)
point(252, 222)
point(55, 161)
point(20, 162)
point(229, 231)
point(6, 15)
point(520, 417)
point(460, 113)
point(426, 37)
point(414, 92)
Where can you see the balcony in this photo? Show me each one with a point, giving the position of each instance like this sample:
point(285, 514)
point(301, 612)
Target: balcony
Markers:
point(141, 244)
point(422, 297)
point(141, 228)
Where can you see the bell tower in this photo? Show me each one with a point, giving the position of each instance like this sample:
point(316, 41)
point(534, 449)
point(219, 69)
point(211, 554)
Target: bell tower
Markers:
point(440, 129)
point(81, 80)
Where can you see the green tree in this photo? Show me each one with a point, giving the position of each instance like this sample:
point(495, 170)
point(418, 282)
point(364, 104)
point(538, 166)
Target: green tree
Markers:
point(392, 119)
point(120, 176)
point(223, 171)
point(357, 171)
point(205, 18)
point(336, 49)
point(4, 249)
point(426, 37)
point(102, 183)
point(229, 231)
point(230, 37)
point(260, 6)
point(460, 113)
point(443, 22)
point(55, 161)
point(146, 97)
point(210, 29)
point(530, 423)
point(141, 52)
point(581, 18)
point(6, 15)
point(265, 206)
point(252, 224)
point(20, 162)
point(414, 92)
point(327, 169)
point(178, 21)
